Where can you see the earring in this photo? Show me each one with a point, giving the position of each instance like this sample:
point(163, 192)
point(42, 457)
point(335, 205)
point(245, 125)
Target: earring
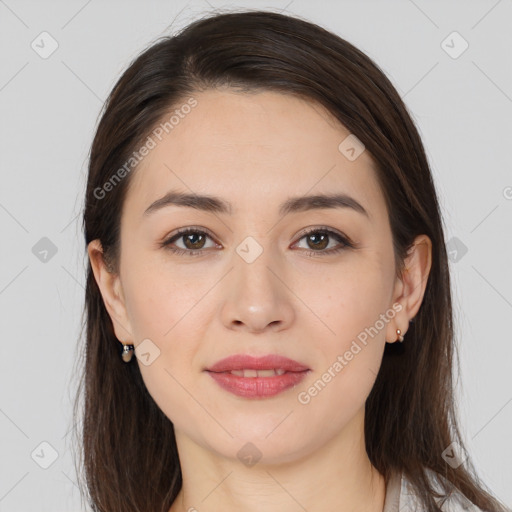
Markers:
point(127, 353)
point(399, 334)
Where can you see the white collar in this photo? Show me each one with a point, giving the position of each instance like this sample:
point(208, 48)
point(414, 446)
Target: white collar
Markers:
point(400, 497)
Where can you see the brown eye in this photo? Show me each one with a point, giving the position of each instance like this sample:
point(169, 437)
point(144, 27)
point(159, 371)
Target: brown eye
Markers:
point(319, 239)
point(193, 242)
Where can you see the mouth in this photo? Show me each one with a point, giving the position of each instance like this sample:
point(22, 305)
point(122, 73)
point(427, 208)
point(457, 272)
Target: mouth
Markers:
point(257, 377)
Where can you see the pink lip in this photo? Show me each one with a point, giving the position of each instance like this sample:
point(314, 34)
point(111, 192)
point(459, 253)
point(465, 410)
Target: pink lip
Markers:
point(257, 387)
point(268, 362)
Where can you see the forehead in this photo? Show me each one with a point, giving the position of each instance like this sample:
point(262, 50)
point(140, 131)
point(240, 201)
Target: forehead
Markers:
point(252, 148)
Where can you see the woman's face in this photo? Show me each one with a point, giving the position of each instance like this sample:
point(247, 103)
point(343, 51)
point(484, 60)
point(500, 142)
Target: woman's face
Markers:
point(252, 281)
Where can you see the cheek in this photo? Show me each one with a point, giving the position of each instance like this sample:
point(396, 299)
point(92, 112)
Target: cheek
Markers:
point(353, 312)
point(348, 299)
point(162, 311)
point(158, 300)
point(347, 363)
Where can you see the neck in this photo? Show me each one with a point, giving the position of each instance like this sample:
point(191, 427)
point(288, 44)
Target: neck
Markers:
point(337, 476)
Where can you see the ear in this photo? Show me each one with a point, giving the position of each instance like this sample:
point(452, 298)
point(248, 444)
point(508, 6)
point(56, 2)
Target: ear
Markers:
point(111, 290)
point(410, 286)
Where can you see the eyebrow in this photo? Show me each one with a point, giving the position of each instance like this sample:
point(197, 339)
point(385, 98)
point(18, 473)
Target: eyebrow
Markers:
point(214, 204)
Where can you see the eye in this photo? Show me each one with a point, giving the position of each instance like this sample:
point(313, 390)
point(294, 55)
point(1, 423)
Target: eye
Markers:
point(319, 239)
point(193, 241)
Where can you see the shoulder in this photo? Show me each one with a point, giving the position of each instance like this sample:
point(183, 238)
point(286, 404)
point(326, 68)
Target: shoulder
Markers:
point(455, 502)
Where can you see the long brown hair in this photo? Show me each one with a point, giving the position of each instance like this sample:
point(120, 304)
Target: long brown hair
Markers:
point(128, 451)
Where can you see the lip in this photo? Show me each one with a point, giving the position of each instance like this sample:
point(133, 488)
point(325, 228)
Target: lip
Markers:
point(243, 362)
point(257, 387)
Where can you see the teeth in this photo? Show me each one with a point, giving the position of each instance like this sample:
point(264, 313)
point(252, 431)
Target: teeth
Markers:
point(258, 373)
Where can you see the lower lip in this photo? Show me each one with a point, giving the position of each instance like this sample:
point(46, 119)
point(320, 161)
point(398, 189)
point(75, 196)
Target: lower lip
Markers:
point(257, 387)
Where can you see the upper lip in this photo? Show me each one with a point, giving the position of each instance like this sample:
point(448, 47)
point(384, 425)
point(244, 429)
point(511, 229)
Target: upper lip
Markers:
point(247, 362)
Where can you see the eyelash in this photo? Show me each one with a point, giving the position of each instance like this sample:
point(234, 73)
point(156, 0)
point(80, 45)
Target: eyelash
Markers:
point(346, 243)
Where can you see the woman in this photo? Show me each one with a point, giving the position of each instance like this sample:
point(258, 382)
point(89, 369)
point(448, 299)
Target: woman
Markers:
point(264, 236)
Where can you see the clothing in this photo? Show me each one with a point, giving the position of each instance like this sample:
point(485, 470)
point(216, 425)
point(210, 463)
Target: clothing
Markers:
point(400, 497)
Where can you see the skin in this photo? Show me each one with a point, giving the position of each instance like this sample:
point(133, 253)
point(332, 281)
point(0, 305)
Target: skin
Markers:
point(256, 150)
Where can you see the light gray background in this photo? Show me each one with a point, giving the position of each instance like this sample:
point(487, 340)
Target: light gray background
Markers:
point(49, 109)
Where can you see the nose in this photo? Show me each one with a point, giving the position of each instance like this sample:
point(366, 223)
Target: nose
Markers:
point(258, 296)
